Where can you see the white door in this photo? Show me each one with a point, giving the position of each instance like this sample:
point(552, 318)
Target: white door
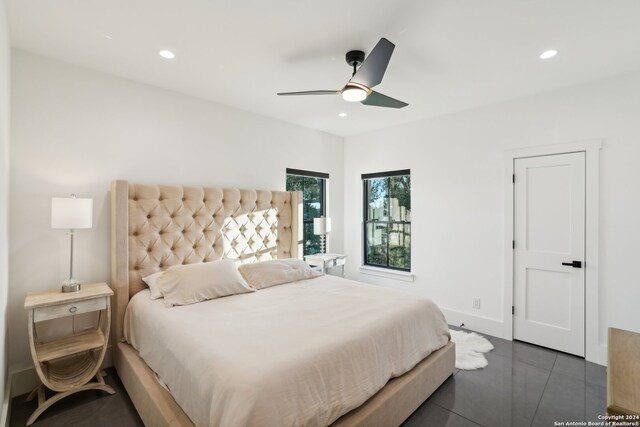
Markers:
point(549, 248)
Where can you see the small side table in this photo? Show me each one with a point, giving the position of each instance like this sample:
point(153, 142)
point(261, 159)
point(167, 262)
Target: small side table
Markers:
point(327, 261)
point(66, 365)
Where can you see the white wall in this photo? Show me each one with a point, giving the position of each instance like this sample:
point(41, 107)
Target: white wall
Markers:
point(5, 53)
point(457, 168)
point(75, 130)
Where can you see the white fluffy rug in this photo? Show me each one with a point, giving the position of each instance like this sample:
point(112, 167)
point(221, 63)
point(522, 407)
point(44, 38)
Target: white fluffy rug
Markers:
point(469, 349)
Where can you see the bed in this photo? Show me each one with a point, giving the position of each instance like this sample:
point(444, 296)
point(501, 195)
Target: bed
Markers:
point(155, 227)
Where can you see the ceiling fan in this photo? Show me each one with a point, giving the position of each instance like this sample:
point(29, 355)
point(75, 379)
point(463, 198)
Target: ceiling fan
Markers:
point(367, 73)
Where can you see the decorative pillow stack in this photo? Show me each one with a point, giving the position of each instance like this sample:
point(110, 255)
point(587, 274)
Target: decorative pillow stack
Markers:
point(192, 283)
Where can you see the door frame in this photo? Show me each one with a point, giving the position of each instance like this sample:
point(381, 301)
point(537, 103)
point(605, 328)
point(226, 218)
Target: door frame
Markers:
point(591, 148)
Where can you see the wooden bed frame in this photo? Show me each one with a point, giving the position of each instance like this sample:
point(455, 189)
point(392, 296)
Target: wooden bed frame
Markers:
point(154, 227)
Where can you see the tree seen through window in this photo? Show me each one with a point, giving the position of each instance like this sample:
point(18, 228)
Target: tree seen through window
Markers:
point(387, 219)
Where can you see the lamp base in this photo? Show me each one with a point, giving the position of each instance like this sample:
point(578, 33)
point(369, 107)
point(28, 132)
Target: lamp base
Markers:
point(70, 285)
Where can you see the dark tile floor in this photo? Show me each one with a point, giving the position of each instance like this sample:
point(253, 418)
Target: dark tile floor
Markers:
point(524, 385)
point(89, 408)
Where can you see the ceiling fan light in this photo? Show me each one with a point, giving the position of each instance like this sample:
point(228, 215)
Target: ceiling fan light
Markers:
point(354, 94)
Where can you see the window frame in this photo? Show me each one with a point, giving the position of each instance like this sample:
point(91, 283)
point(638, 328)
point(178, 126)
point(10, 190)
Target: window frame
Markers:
point(366, 221)
point(324, 177)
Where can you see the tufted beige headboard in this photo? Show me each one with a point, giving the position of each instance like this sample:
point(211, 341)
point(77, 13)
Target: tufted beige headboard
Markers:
point(156, 226)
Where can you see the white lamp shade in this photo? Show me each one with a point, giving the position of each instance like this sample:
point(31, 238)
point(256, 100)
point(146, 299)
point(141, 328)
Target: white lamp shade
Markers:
point(321, 225)
point(71, 213)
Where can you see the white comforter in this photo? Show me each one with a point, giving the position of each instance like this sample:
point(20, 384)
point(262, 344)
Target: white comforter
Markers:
point(299, 354)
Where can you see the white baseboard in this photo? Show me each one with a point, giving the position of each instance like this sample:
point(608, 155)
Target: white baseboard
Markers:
point(604, 356)
point(485, 325)
point(25, 380)
point(495, 327)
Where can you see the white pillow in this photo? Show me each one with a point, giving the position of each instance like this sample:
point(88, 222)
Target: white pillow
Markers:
point(151, 281)
point(191, 283)
point(264, 274)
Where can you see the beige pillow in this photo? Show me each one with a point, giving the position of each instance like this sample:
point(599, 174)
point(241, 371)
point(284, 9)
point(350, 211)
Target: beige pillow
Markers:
point(264, 274)
point(191, 283)
point(151, 281)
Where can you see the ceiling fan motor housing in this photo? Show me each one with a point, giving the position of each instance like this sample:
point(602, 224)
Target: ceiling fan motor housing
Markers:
point(355, 58)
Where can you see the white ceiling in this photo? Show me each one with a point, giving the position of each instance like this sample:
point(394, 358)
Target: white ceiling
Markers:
point(450, 54)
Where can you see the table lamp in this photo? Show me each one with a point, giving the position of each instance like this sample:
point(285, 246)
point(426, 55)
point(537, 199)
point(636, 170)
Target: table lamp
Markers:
point(72, 214)
point(321, 227)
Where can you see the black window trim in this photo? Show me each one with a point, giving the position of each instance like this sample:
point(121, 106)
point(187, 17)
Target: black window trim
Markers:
point(309, 174)
point(386, 174)
point(365, 207)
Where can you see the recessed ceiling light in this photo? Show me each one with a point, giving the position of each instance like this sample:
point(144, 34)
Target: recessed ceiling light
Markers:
point(107, 36)
point(167, 54)
point(548, 54)
point(342, 114)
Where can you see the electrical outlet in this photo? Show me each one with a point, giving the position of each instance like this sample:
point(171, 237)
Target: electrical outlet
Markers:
point(476, 303)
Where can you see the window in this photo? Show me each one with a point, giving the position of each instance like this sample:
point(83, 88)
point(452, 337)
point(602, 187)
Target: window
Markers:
point(387, 219)
point(313, 186)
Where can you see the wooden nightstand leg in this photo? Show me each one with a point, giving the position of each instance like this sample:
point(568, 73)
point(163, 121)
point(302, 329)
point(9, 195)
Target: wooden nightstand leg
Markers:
point(43, 404)
point(33, 393)
point(99, 377)
point(41, 396)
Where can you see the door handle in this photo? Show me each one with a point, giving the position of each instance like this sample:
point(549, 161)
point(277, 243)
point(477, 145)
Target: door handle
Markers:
point(574, 264)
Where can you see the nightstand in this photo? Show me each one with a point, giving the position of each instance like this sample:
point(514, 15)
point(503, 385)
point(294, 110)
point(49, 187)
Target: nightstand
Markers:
point(67, 364)
point(326, 261)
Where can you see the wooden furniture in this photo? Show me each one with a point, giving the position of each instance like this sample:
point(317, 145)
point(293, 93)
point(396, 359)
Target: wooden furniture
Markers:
point(623, 373)
point(199, 224)
point(67, 364)
point(327, 261)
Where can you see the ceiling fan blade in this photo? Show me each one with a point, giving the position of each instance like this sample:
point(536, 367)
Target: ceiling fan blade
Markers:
point(372, 69)
point(379, 100)
point(311, 92)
